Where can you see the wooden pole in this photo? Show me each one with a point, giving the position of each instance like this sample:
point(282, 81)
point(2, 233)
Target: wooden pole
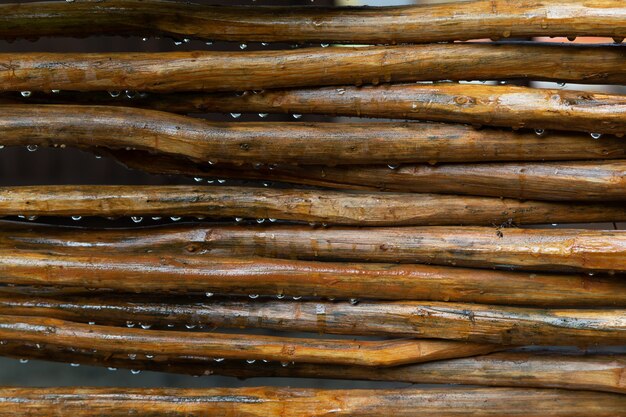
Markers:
point(424, 23)
point(235, 71)
point(179, 273)
point(476, 323)
point(285, 143)
point(488, 105)
point(331, 207)
point(530, 249)
point(232, 346)
point(274, 402)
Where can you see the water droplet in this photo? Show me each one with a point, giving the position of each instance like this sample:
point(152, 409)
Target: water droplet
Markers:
point(260, 221)
point(136, 219)
point(177, 42)
point(264, 43)
point(146, 326)
point(55, 91)
point(209, 294)
point(324, 45)
point(539, 132)
point(272, 220)
point(571, 38)
point(32, 148)
point(135, 371)
point(238, 219)
point(218, 359)
point(132, 356)
point(198, 179)
point(144, 39)
point(98, 156)
point(284, 364)
point(23, 360)
point(280, 296)
point(115, 93)
point(110, 368)
point(175, 218)
point(296, 116)
point(130, 94)
point(221, 181)
point(25, 93)
point(170, 326)
point(253, 296)
point(69, 1)
point(250, 361)
point(561, 84)
point(235, 115)
point(596, 135)
point(31, 218)
point(130, 324)
point(341, 91)
point(75, 365)
point(354, 301)
point(190, 326)
point(149, 356)
point(243, 46)
point(393, 166)
point(263, 115)
point(1, 146)
point(208, 43)
point(297, 298)
point(92, 323)
point(77, 218)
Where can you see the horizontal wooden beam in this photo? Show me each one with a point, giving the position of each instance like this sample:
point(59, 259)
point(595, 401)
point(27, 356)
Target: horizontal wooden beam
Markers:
point(424, 23)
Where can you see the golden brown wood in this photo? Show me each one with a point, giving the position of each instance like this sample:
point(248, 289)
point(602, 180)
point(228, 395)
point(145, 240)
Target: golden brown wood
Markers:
point(163, 273)
point(232, 346)
point(489, 105)
point(477, 323)
point(236, 71)
point(557, 181)
point(331, 207)
point(424, 23)
point(530, 249)
point(271, 143)
point(275, 402)
point(513, 369)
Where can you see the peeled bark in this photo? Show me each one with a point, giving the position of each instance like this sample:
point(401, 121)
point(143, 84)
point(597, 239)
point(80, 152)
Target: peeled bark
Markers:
point(163, 273)
point(331, 207)
point(477, 323)
point(275, 402)
point(530, 249)
point(291, 143)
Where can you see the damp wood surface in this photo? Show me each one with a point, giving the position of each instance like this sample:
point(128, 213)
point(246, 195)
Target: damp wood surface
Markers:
point(25, 122)
point(476, 323)
point(509, 248)
point(424, 23)
point(356, 208)
point(239, 71)
point(265, 401)
point(180, 273)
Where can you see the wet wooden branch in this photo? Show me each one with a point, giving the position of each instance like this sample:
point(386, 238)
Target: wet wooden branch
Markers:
point(533, 249)
point(274, 402)
point(477, 323)
point(556, 181)
point(232, 346)
point(424, 23)
point(489, 105)
point(236, 71)
point(179, 273)
point(512, 369)
point(291, 143)
point(331, 207)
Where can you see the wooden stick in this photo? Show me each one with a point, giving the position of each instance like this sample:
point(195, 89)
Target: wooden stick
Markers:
point(557, 181)
point(300, 402)
point(240, 346)
point(475, 323)
point(508, 106)
point(534, 249)
point(179, 273)
point(291, 143)
point(236, 71)
point(512, 369)
point(332, 207)
point(424, 23)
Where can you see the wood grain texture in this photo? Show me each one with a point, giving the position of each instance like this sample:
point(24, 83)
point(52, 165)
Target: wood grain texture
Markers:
point(88, 126)
point(556, 181)
point(331, 207)
point(270, 402)
point(477, 323)
point(179, 273)
point(424, 23)
point(237, 71)
point(513, 369)
point(531, 249)
point(489, 105)
point(67, 334)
